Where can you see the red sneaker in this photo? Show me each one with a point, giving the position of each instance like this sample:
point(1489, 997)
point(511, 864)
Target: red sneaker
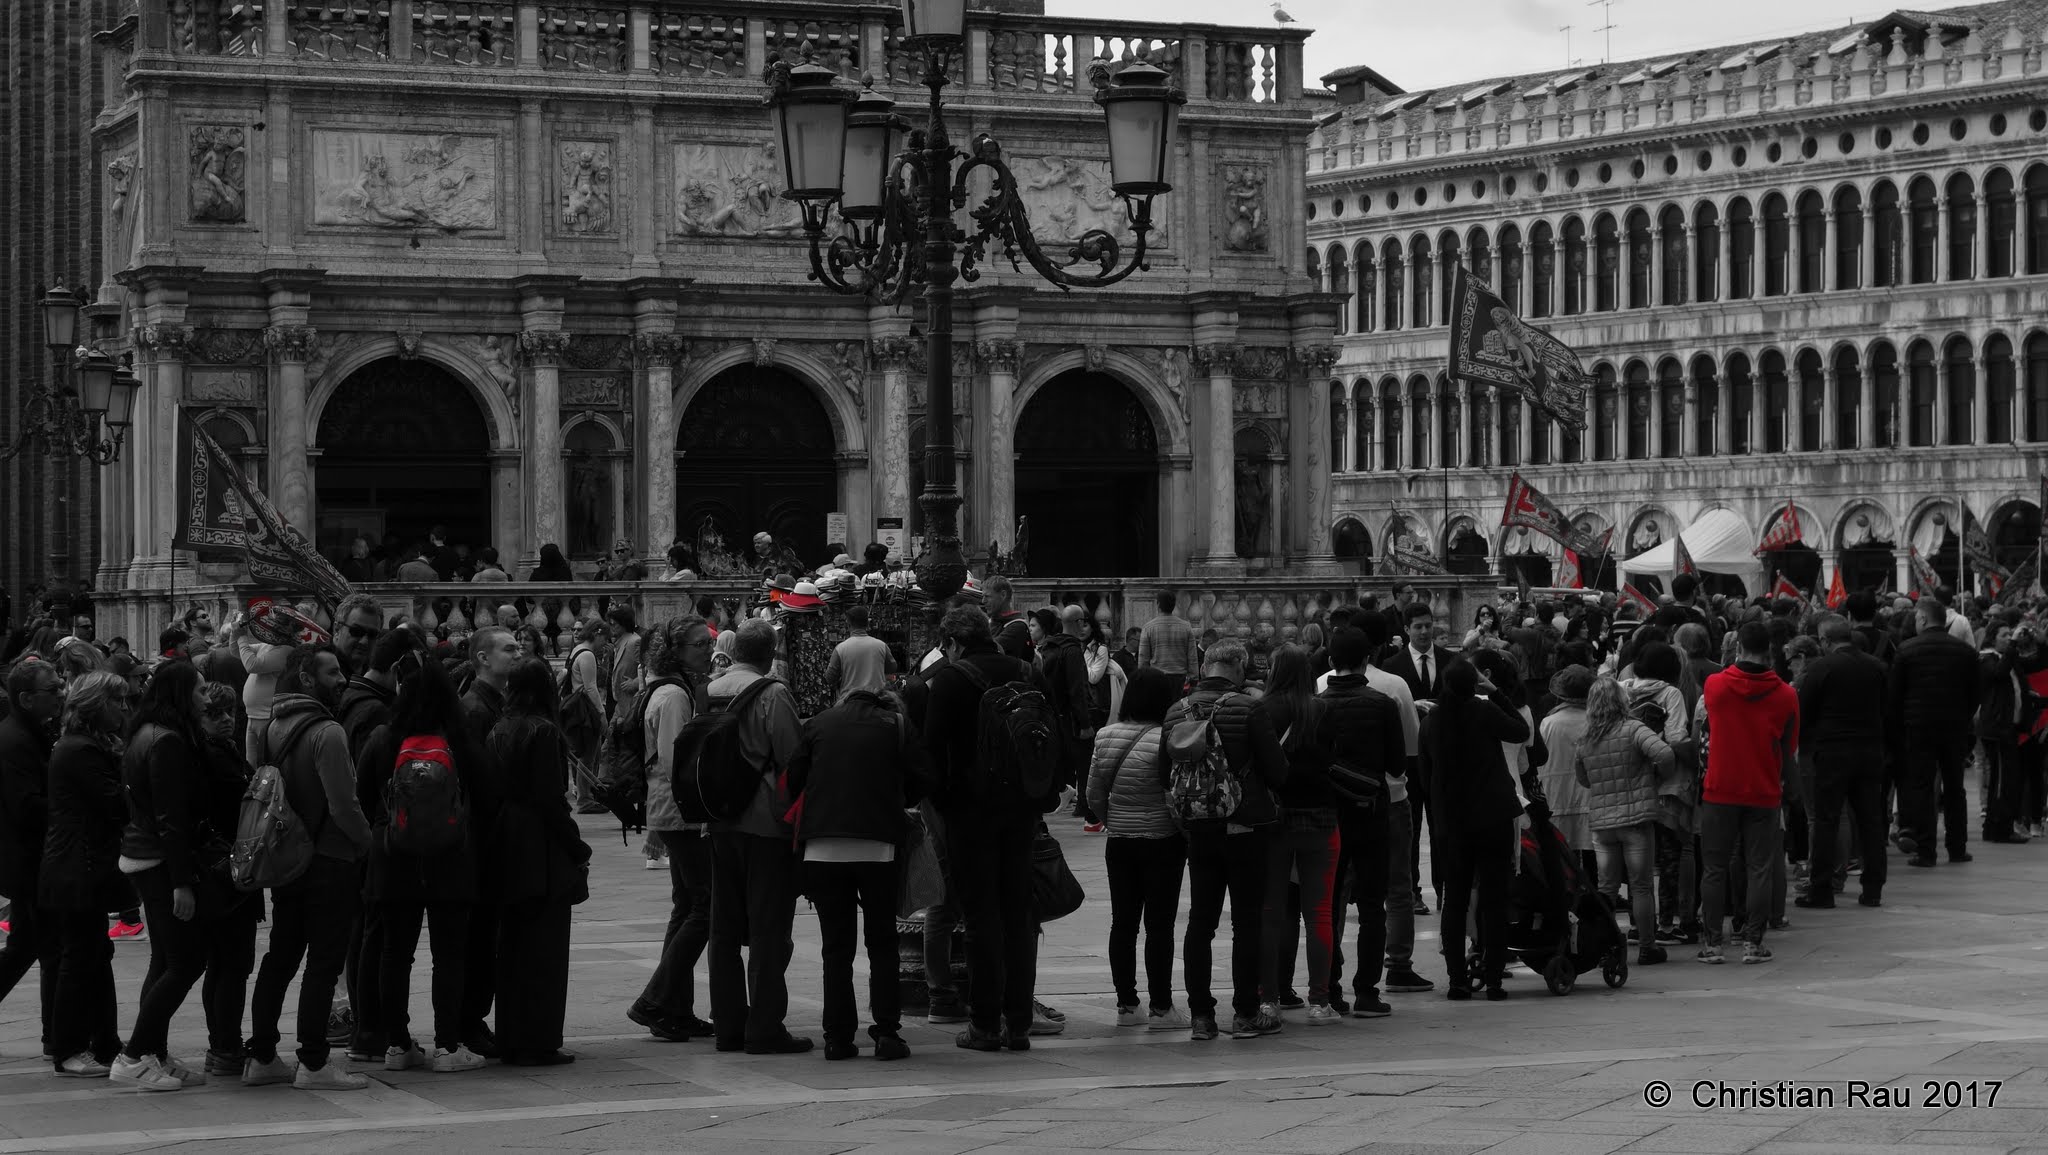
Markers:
point(121, 930)
point(1093, 828)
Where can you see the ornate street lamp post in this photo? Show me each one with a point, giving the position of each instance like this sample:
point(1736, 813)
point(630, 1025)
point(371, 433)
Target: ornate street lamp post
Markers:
point(895, 195)
point(68, 418)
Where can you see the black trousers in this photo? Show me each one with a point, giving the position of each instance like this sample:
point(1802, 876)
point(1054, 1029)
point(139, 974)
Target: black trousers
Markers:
point(1931, 777)
point(753, 906)
point(1364, 867)
point(990, 855)
point(672, 990)
point(1221, 865)
point(177, 959)
point(480, 968)
point(365, 980)
point(83, 1017)
point(31, 942)
point(1484, 857)
point(533, 976)
point(309, 922)
point(2005, 786)
point(1848, 776)
point(230, 957)
point(842, 891)
point(448, 925)
point(1144, 891)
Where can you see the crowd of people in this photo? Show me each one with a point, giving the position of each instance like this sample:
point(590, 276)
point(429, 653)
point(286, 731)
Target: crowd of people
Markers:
point(1706, 763)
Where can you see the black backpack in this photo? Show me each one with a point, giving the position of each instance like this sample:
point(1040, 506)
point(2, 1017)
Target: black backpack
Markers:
point(711, 777)
point(1018, 734)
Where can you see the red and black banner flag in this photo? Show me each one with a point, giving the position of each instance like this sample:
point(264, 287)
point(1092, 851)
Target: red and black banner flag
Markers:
point(220, 510)
point(1783, 532)
point(1528, 507)
point(1490, 344)
point(1681, 558)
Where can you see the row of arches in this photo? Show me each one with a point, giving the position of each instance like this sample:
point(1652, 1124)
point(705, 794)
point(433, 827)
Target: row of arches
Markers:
point(1886, 233)
point(1933, 392)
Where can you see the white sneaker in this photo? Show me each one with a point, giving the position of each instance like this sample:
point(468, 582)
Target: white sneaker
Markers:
point(328, 1078)
point(1170, 1019)
point(655, 864)
point(1130, 1017)
point(1323, 1015)
point(185, 1072)
point(82, 1066)
point(146, 1072)
point(460, 1059)
point(256, 1073)
point(404, 1058)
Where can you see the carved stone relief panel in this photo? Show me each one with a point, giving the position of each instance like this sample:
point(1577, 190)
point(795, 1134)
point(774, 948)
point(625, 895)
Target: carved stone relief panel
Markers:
point(1260, 398)
point(403, 180)
point(224, 384)
point(218, 175)
point(732, 190)
point(228, 346)
point(1245, 223)
point(583, 174)
point(1069, 196)
point(588, 390)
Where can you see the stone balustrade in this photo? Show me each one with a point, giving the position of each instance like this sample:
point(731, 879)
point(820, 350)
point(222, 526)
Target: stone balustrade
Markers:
point(713, 42)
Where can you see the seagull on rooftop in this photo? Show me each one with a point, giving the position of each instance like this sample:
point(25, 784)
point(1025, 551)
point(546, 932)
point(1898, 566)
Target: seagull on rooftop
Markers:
point(1281, 15)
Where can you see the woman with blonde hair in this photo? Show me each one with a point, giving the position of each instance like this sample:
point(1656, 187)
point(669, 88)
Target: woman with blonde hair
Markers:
point(81, 877)
point(1619, 762)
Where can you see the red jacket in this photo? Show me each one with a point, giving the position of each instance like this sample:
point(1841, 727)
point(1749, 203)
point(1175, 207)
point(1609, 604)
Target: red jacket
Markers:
point(1752, 734)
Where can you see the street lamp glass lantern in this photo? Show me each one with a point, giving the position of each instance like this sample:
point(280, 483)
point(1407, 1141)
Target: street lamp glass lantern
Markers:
point(924, 19)
point(60, 317)
point(1143, 111)
point(95, 382)
point(874, 135)
point(809, 112)
point(121, 401)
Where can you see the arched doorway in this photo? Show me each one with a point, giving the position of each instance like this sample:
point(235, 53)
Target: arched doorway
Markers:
point(756, 450)
point(1088, 479)
point(1465, 550)
point(403, 448)
point(1353, 546)
point(2015, 533)
point(1864, 551)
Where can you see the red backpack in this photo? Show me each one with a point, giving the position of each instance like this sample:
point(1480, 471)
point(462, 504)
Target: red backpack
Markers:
point(427, 806)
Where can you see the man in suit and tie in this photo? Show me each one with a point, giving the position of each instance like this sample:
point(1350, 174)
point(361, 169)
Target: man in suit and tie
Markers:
point(1420, 662)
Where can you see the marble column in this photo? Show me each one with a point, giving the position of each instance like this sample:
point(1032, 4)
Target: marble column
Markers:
point(1724, 417)
point(542, 350)
point(1529, 432)
point(1866, 247)
point(1980, 402)
point(894, 355)
point(290, 347)
point(152, 451)
point(658, 354)
point(1219, 363)
point(1349, 462)
point(1724, 261)
point(1656, 420)
point(1657, 265)
point(1830, 244)
point(1689, 431)
point(1980, 256)
point(507, 516)
point(1312, 448)
point(1942, 272)
point(1830, 406)
point(1000, 357)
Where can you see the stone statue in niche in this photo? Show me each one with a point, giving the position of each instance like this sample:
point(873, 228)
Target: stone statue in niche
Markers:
point(1244, 208)
point(590, 500)
point(121, 208)
point(1254, 495)
point(219, 174)
point(405, 180)
point(732, 190)
point(586, 191)
point(1068, 197)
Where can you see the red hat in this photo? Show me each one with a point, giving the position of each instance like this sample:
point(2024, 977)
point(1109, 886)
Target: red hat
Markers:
point(803, 599)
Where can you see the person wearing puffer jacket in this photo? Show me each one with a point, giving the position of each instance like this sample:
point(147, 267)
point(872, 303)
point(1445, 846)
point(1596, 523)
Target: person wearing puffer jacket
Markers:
point(1657, 690)
point(1146, 856)
point(1619, 763)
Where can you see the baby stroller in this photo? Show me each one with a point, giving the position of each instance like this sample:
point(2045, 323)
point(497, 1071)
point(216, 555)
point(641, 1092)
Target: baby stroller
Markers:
point(1559, 924)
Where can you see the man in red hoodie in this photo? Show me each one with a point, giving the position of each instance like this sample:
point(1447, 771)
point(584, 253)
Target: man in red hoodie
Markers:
point(1752, 723)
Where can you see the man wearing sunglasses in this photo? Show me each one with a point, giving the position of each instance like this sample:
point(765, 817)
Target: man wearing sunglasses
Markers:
point(358, 623)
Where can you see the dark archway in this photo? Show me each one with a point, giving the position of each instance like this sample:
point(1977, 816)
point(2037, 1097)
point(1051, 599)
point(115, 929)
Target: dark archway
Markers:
point(756, 452)
point(403, 448)
point(1088, 479)
point(1353, 546)
point(2015, 533)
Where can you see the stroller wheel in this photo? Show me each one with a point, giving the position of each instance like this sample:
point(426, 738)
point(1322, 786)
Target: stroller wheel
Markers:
point(1559, 975)
point(1614, 968)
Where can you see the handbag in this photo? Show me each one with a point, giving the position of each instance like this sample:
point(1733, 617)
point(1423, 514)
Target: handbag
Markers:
point(1358, 786)
point(1055, 892)
point(922, 882)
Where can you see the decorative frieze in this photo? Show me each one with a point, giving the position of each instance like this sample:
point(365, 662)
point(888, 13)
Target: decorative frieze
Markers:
point(543, 347)
point(404, 180)
point(290, 342)
point(228, 346)
point(218, 177)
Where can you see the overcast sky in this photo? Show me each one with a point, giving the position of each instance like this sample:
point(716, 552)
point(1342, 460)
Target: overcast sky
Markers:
point(1435, 43)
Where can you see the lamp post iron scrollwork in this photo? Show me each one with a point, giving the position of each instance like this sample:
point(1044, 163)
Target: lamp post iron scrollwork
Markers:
point(68, 416)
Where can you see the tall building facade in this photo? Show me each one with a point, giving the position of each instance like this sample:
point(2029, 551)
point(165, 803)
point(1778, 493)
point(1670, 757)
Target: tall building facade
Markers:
point(523, 270)
point(1808, 270)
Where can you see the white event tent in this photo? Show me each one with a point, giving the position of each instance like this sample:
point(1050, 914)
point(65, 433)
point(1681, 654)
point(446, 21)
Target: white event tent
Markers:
point(1719, 543)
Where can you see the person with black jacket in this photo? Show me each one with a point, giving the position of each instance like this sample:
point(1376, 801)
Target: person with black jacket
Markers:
point(1304, 848)
point(1932, 697)
point(1063, 669)
point(857, 767)
point(230, 915)
point(494, 651)
point(989, 828)
point(1473, 811)
point(1366, 734)
point(80, 879)
point(35, 697)
point(1229, 857)
point(1843, 730)
point(165, 781)
point(542, 865)
point(2000, 721)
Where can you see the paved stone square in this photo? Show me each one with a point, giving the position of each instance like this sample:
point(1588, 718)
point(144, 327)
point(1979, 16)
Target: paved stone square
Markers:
point(1944, 984)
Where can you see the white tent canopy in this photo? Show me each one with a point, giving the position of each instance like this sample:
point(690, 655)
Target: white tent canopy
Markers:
point(1719, 543)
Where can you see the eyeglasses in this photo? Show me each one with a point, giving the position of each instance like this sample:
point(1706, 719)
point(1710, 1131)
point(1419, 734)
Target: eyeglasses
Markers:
point(364, 633)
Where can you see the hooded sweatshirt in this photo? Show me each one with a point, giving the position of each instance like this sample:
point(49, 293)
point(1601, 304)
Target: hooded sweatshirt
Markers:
point(1752, 721)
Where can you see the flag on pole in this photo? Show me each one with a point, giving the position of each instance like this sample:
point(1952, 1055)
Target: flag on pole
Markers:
point(1528, 507)
point(1785, 589)
point(220, 510)
point(2020, 585)
point(1837, 592)
point(1783, 532)
point(1631, 596)
point(1490, 344)
point(1569, 574)
point(1416, 562)
point(1977, 544)
point(1681, 558)
point(1923, 574)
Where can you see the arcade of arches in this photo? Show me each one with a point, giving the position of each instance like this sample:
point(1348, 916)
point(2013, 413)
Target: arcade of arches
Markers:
point(1088, 475)
point(402, 448)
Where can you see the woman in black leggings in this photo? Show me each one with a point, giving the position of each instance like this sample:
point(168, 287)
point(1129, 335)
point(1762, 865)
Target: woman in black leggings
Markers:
point(1473, 808)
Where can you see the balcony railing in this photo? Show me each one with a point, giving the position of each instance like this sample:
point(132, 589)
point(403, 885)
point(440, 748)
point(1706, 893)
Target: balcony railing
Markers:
point(682, 39)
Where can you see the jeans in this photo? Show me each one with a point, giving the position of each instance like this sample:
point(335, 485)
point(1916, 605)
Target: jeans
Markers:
point(1854, 776)
point(1371, 854)
point(230, 957)
point(177, 957)
point(753, 905)
point(990, 856)
point(1934, 766)
point(1678, 892)
point(448, 925)
point(309, 921)
point(1481, 858)
point(1400, 889)
point(31, 942)
point(83, 1017)
point(672, 990)
point(2005, 787)
point(1221, 864)
point(1305, 845)
point(941, 918)
point(842, 892)
point(1631, 850)
point(1725, 829)
point(1144, 889)
point(533, 977)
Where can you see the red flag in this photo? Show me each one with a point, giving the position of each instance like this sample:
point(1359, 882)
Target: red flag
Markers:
point(1528, 507)
point(1631, 596)
point(1681, 558)
point(1785, 589)
point(1569, 575)
point(1923, 574)
point(1783, 532)
point(1837, 592)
